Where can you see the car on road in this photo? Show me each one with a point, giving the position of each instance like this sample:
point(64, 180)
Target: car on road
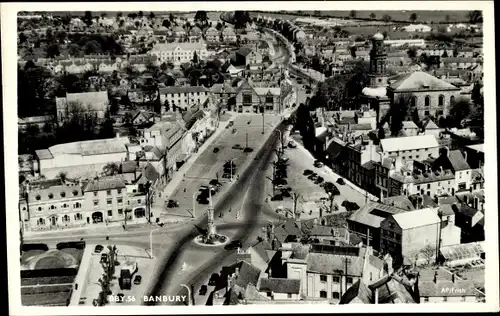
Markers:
point(318, 164)
point(172, 203)
point(248, 150)
point(203, 289)
point(235, 244)
point(104, 258)
point(307, 172)
point(214, 279)
point(120, 297)
point(137, 279)
point(98, 248)
point(231, 124)
point(237, 146)
point(215, 182)
point(216, 150)
point(340, 181)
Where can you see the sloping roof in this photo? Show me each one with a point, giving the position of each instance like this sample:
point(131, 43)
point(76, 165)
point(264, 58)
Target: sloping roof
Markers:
point(409, 124)
point(91, 101)
point(54, 193)
point(149, 172)
point(421, 81)
point(183, 46)
point(244, 51)
point(129, 166)
point(248, 273)
point(373, 213)
point(43, 154)
point(105, 183)
point(399, 201)
point(329, 263)
point(446, 288)
point(183, 89)
point(457, 160)
point(417, 218)
point(280, 285)
point(430, 125)
point(409, 143)
point(91, 147)
point(357, 293)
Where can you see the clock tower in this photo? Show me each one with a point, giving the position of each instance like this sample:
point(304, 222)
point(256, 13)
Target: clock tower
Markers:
point(378, 62)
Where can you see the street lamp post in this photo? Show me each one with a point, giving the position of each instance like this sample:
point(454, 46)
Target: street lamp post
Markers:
point(281, 141)
point(151, 242)
point(194, 203)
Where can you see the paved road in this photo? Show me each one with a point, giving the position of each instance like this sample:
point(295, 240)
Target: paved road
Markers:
point(249, 185)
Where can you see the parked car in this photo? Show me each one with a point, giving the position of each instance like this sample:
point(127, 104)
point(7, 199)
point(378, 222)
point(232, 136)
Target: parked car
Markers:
point(277, 197)
point(319, 180)
point(340, 181)
point(215, 182)
point(248, 150)
point(318, 164)
point(307, 172)
point(216, 150)
point(237, 146)
point(98, 248)
point(231, 123)
point(172, 203)
point(137, 279)
point(214, 279)
point(235, 244)
point(104, 258)
point(203, 289)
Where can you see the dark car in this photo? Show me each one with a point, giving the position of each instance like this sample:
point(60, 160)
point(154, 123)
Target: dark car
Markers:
point(98, 248)
point(104, 258)
point(248, 150)
point(277, 197)
point(307, 172)
point(215, 182)
point(318, 164)
point(319, 180)
point(137, 280)
point(216, 150)
point(235, 244)
point(237, 146)
point(285, 193)
point(214, 279)
point(120, 297)
point(172, 204)
point(203, 289)
point(340, 181)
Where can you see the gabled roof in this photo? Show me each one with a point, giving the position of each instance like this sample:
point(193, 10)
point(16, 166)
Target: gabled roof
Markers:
point(409, 124)
point(281, 285)
point(244, 51)
point(457, 160)
point(408, 143)
point(430, 125)
point(373, 213)
point(105, 183)
point(417, 218)
point(421, 81)
point(399, 201)
point(357, 293)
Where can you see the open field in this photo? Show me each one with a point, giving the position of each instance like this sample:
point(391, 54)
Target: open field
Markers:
point(424, 16)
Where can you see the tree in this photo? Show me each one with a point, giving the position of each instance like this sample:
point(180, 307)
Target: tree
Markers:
point(62, 176)
point(475, 16)
point(412, 52)
point(381, 133)
point(201, 16)
point(373, 16)
point(52, 50)
point(332, 191)
point(429, 253)
point(140, 14)
point(195, 58)
point(92, 47)
point(413, 17)
point(352, 14)
point(166, 23)
point(151, 15)
point(296, 199)
point(387, 18)
point(459, 110)
point(87, 18)
point(111, 169)
point(22, 38)
point(398, 113)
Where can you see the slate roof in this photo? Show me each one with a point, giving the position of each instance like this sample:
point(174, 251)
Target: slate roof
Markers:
point(357, 293)
point(417, 218)
point(457, 160)
point(430, 125)
point(329, 263)
point(446, 288)
point(421, 81)
point(184, 89)
point(183, 46)
point(248, 273)
point(280, 285)
point(409, 143)
point(105, 183)
point(58, 193)
point(244, 51)
point(370, 214)
point(91, 147)
point(129, 166)
point(399, 201)
point(149, 173)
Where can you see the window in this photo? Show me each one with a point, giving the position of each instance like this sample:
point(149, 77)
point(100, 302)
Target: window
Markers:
point(110, 213)
point(109, 201)
point(289, 295)
point(247, 98)
point(426, 113)
point(65, 218)
point(445, 299)
point(349, 280)
point(119, 201)
point(65, 206)
point(120, 211)
point(336, 295)
point(269, 294)
point(40, 222)
point(119, 191)
point(322, 278)
point(416, 156)
point(410, 157)
point(75, 193)
point(51, 196)
point(441, 100)
point(322, 294)
point(463, 298)
point(38, 197)
point(336, 279)
point(95, 193)
point(139, 201)
point(413, 101)
point(426, 299)
point(52, 207)
point(77, 205)
point(452, 100)
point(63, 194)
point(96, 203)
point(40, 209)
point(427, 100)
point(269, 99)
point(78, 216)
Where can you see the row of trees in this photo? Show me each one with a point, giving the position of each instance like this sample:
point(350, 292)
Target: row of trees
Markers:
point(108, 276)
point(474, 17)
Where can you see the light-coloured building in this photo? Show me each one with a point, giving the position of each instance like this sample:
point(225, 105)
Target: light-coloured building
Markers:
point(184, 97)
point(410, 128)
point(179, 53)
point(76, 156)
point(439, 286)
point(410, 148)
point(228, 35)
point(212, 35)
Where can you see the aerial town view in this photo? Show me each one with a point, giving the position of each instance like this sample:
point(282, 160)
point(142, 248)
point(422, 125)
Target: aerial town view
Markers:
point(251, 157)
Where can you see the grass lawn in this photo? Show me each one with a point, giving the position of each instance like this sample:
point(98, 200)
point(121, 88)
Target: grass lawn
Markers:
point(28, 254)
point(52, 262)
point(51, 299)
point(76, 253)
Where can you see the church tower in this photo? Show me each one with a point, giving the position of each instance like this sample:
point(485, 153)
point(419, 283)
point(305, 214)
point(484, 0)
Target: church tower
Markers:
point(378, 62)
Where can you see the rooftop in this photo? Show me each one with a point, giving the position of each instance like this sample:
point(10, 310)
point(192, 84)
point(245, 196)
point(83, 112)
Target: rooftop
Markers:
point(86, 148)
point(281, 285)
point(417, 218)
point(409, 143)
point(399, 201)
point(183, 89)
point(55, 193)
point(105, 183)
point(457, 160)
point(373, 213)
point(421, 81)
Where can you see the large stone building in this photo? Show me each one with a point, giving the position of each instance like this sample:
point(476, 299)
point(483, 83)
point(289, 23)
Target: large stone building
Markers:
point(94, 104)
point(179, 53)
point(183, 97)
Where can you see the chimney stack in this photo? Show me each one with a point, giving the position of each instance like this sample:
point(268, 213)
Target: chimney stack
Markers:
point(237, 272)
point(269, 273)
point(465, 156)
